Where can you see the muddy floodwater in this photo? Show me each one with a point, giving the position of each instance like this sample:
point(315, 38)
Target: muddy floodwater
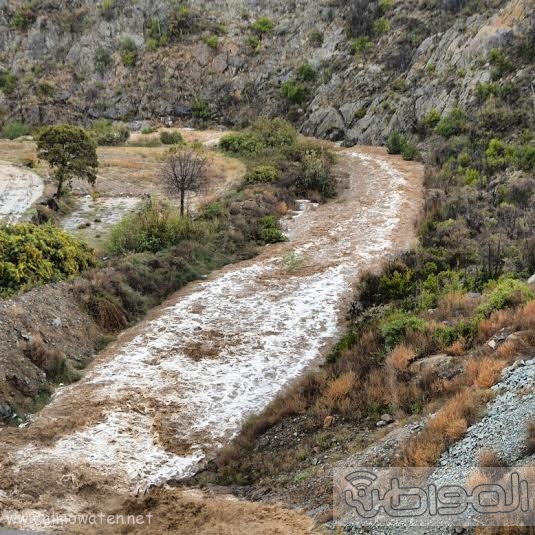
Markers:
point(179, 385)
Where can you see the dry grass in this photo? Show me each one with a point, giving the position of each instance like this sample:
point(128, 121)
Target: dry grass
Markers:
point(485, 372)
point(402, 356)
point(530, 437)
point(454, 304)
point(340, 387)
point(507, 351)
point(445, 428)
point(491, 459)
point(45, 358)
point(458, 348)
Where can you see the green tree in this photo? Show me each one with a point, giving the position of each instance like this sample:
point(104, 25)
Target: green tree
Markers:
point(70, 152)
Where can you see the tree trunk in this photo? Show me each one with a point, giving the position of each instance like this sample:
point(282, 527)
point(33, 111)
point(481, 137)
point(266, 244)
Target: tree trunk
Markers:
point(182, 201)
point(60, 179)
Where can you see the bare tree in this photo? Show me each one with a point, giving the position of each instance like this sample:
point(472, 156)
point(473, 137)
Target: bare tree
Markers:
point(184, 171)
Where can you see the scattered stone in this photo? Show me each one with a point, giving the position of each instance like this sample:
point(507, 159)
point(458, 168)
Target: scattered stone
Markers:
point(380, 423)
point(492, 344)
point(387, 419)
point(474, 295)
point(531, 280)
point(328, 422)
point(56, 322)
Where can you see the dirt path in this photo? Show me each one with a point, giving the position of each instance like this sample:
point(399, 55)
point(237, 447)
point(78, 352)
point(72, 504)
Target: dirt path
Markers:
point(19, 189)
point(181, 383)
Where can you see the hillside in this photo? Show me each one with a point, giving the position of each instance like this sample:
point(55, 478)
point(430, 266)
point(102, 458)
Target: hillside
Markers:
point(373, 66)
point(366, 298)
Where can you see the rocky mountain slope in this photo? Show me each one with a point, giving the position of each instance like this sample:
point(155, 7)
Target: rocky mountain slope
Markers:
point(343, 70)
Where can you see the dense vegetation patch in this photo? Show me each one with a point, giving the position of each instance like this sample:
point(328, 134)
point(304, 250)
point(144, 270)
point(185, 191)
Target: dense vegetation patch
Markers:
point(31, 254)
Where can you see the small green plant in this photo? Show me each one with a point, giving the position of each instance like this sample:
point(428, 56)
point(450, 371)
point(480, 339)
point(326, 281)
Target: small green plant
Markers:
point(212, 41)
point(262, 26)
point(315, 38)
point(360, 45)
point(262, 174)
point(270, 231)
point(361, 112)
point(394, 143)
point(293, 92)
point(8, 83)
point(15, 130)
point(107, 133)
point(106, 9)
point(306, 72)
point(201, 109)
point(128, 51)
point(254, 43)
point(385, 5)
point(409, 151)
point(431, 119)
point(24, 16)
point(171, 138)
point(148, 130)
point(397, 326)
point(505, 293)
point(103, 60)
point(381, 26)
point(454, 124)
point(292, 262)
point(501, 65)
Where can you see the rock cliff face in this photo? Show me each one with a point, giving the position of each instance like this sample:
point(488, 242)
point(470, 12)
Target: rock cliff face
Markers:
point(376, 66)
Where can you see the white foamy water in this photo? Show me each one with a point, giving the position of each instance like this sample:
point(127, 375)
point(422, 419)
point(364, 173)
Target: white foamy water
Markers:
point(19, 190)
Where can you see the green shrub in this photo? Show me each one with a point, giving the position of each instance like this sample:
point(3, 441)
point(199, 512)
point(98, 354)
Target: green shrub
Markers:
point(270, 231)
point(24, 16)
point(315, 38)
point(8, 83)
point(254, 43)
point(397, 285)
point(148, 130)
point(381, 26)
point(14, 130)
point(501, 64)
point(106, 9)
point(171, 138)
point(315, 176)
point(201, 109)
point(128, 51)
point(263, 134)
point(241, 143)
point(504, 293)
point(306, 72)
point(214, 210)
point(103, 60)
point(294, 92)
point(106, 133)
point(181, 22)
point(212, 41)
point(431, 119)
point(262, 26)
point(385, 5)
point(397, 326)
point(360, 45)
point(409, 151)
point(262, 174)
point(38, 254)
point(394, 143)
point(156, 226)
point(454, 124)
